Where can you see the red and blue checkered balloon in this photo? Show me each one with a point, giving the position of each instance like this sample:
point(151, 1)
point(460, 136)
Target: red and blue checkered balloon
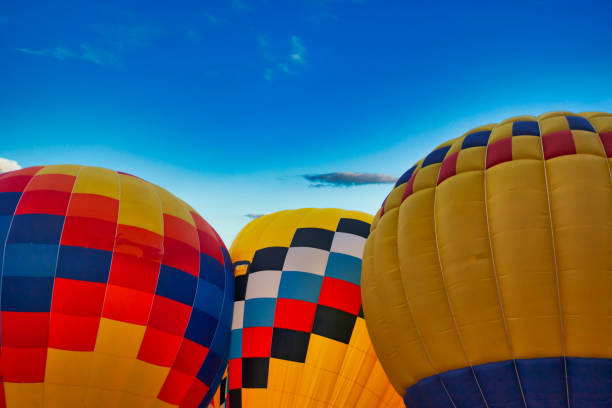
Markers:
point(113, 292)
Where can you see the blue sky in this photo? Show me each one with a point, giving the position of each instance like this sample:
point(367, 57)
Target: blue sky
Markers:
point(228, 103)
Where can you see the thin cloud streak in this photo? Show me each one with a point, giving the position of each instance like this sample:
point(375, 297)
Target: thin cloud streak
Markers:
point(253, 216)
point(347, 179)
point(87, 53)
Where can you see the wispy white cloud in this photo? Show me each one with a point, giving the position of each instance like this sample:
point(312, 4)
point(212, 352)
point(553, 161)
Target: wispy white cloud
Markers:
point(8, 165)
point(86, 53)
point(59, 52)
point(347, 179)
point(286, 64)
point(298, 51)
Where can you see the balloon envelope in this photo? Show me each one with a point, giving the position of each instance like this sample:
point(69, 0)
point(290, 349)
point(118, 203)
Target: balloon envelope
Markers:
point(113, 292)
point(487, 276)
point(298, 335)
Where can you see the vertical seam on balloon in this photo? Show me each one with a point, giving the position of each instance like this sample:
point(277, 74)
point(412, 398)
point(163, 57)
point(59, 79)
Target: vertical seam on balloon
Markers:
point(146, 325)
point(192, 306)
point(448, 298)
point(55, 273)
point(309, 393)
point(8, 232)
point(557, 278)
point(91, 358)
point(219, 327)
point(499, 295)
point(416, 328)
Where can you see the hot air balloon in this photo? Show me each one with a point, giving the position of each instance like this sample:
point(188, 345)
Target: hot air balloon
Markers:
point(487, 276)
point(298, 334)
point(114, 293)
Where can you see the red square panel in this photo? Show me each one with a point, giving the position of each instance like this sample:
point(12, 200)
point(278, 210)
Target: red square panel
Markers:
point(169, 315)
point(70, 332)
point(175, 387)
point(190, 357)
point(57, 182)
point(89, 233)
point(256, 341)
point(181, 256)
point(94, 206)
point(25, 329)
point(181, 230)
point(132, 271)
point(196, 393)
point(209, 240)
point(606, 140)
point(159, 347)
point(558, 144)
point(499, 152)
point(448, 168)
point(23, 364)
point(127, 305)
point(78, 297)
point(139, 242)
point(43, 202)
point(294, 314)
point(341, 295)
point(409, 187)
point(13, 182)
point(234, 374)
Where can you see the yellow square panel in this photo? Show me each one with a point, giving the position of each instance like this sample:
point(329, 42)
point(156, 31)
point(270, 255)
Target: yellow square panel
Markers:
point(588, 143)
point(119, 338)
point(23, 394)
point(360, 338)
point(163, 404)
point(427, 177)
point(173, 206)
point(130, 401)
point(553, 124)
point(602, 122)
point(67, 169)
point(471, 159)
point(325, 353)
point(140, 205)
point(284, 375)
point(327, 219)
point(275, 231)
point(67, 367)
point(526, 147)
point(255, 397)
point(101, 398)
point(61, 396)
point(500, 132)
point(394, 199)
point(110, 372)
point(96, 180)
point(356, 215)
point(146, 379)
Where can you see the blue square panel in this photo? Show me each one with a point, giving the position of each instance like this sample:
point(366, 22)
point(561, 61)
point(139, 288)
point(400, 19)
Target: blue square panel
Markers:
point(300, 286)
point(259, 312)
point(30, 260)
point(345, 267)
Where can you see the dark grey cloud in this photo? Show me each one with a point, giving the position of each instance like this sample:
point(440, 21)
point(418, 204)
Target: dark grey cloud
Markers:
point(347, 179)
point(253, 216)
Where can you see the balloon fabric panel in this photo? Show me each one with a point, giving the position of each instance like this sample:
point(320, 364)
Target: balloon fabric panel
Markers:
point(298, 334)
point(114, 292)
point(486, 277)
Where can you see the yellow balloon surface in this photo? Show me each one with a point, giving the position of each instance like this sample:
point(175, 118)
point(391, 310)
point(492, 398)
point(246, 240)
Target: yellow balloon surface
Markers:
point(298, 335)
point(487, 276)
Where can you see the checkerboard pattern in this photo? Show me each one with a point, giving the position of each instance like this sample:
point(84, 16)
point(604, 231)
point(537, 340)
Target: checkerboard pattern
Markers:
point(289, 294)
point(112, 290)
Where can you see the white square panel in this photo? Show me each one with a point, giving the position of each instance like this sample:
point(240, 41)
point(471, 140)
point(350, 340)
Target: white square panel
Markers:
point(263, 284)
point(306, 259)
point(348, 244)
point(238, 315)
